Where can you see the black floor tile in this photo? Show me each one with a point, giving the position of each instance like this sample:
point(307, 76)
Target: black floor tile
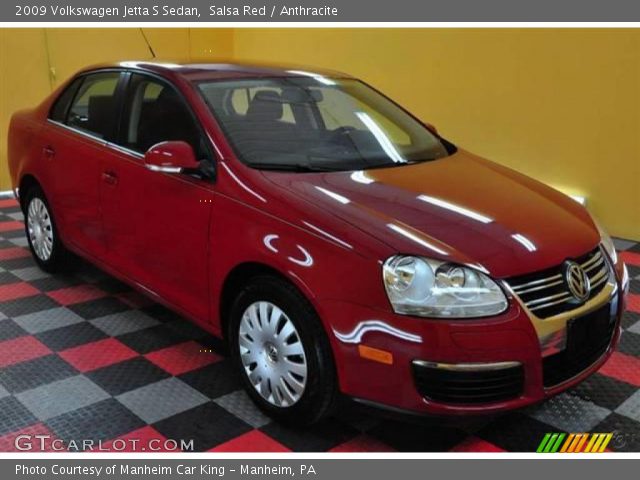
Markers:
point(26, 305)
point(10, 330)
point(55, 282)
point(626, 435)
point(17, 263)
point(630, 344)
point(516, 432)
point(151, 339)
point(208, 425)
point(7, 278)
point(605, 391)
point(161, 313)
point(99, 308)
point(112, 285)
point(128, 375)
point(104, 420)
point(406, 437)
point(71, 336)
point(14, 415)
point(34, 373)
point(214, 380)
point(317, 438)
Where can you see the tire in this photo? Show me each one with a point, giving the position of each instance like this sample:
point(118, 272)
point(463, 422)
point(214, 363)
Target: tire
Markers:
point(40, 227)
point(274, 355)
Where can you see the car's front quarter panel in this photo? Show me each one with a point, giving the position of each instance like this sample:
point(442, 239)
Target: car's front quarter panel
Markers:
point(324, 267)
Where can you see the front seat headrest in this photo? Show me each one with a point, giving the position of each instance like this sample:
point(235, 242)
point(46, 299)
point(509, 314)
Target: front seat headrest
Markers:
point(265, 106)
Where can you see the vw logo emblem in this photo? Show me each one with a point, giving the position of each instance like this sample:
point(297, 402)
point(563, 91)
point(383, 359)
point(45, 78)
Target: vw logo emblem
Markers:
point(577, 281)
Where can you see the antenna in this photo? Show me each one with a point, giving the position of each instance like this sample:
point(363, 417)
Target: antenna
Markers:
point(146, 40)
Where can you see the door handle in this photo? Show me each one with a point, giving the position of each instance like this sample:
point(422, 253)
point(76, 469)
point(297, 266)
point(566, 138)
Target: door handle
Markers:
point(109, 178)
point(48, 151)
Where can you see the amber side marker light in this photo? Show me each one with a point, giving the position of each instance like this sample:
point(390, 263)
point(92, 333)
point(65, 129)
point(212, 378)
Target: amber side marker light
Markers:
point(375, 354)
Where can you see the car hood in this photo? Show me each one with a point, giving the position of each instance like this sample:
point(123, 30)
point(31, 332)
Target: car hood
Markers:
point(461, 208)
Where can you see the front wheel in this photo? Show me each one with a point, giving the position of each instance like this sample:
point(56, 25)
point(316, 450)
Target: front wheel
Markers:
point(42, 235)
point(282, 352)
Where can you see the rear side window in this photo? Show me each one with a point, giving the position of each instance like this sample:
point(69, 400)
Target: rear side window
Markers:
point(61, 106)
point(94, 107)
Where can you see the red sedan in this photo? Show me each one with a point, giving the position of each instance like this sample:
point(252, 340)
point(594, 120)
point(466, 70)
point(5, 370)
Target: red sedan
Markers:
point(338, 244)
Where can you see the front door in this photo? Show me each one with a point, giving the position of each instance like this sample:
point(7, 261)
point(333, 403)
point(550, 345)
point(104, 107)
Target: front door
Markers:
point(156, 224)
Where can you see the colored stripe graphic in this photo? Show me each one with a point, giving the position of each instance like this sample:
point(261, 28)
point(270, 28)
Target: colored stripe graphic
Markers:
point(543, 443)
point(556, 442)
point(605, 442)
point(567, 443)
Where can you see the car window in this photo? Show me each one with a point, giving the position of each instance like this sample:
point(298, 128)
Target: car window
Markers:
point(94, 108)
point(59, 110)
point(318, 123)
point(155, 113)
point(241, 98)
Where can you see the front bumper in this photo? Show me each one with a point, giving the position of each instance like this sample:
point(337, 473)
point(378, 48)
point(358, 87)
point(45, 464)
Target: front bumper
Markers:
point(483, 349)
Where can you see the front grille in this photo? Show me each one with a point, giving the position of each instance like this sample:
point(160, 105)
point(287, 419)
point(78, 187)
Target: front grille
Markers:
point(545, 293)
point(468, 387)
point(588, 338)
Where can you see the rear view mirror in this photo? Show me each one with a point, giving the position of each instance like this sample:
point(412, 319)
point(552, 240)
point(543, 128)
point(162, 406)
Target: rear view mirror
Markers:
point(171, 157)
point(301, 96)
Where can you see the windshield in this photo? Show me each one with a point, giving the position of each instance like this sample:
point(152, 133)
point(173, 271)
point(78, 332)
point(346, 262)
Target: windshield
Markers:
point(317, 124)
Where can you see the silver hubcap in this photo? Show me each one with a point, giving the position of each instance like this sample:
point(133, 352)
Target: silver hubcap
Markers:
point(272, 354)
point(40, 229)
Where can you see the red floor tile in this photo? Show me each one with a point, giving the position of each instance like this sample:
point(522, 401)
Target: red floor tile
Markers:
point(8, 203)
point(11, 225)
point(12, 291)
point(363, 443)
point(253, 441)
point(632, 258)
point(31, 444)
point(94, 355)
point(182, 358)
point(13, 252)
point(81, 293)
point(20, 350)
point(633, 302)
point(145, 439)
point(474, 444)
point(623, 367)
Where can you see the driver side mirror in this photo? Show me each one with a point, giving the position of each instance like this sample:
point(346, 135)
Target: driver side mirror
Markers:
point(171, 157)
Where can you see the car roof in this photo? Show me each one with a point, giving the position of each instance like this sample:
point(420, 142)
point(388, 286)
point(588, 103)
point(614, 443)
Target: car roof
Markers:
point(206, 70)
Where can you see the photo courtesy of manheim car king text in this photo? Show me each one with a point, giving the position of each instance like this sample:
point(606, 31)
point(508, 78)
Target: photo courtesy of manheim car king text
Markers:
point(319, 239)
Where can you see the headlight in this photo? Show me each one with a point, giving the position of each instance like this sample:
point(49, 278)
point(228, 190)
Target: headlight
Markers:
point(606, 242)
point(430, 288)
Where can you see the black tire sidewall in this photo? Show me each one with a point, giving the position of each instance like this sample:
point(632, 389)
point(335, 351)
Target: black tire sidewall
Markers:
point(319, 395)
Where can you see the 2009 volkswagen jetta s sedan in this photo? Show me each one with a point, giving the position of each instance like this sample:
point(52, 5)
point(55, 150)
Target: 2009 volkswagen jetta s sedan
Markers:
point(339, 244)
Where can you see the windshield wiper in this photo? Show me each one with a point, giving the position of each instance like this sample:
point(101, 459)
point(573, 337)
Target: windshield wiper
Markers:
point(296, 167)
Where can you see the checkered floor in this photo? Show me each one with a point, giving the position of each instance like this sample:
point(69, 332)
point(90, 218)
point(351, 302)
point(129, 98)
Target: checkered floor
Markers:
point(85, 357)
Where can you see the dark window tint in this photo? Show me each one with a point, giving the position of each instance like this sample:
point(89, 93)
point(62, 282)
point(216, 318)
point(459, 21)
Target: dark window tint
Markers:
point(312, 122)
point(61, 105)
point(157, 113)
point(94, 107)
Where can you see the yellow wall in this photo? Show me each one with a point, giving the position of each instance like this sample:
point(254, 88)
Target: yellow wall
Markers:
point(562, 105)
point(33, 61)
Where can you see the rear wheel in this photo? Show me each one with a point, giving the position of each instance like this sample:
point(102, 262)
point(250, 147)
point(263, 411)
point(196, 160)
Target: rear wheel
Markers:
point(42, 235)
point(282, 353)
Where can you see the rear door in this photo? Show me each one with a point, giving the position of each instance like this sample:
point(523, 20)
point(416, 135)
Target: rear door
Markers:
point(74, 145)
